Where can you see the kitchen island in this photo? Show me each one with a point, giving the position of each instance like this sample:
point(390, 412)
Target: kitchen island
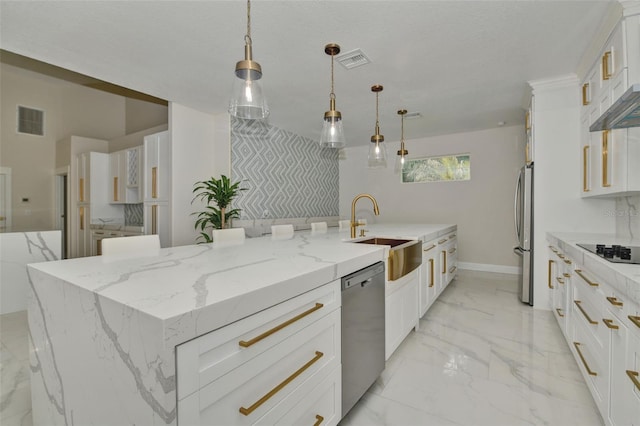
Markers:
point(104, 330)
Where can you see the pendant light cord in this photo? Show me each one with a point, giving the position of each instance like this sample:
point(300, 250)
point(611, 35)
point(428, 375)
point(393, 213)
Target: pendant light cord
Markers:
point(247, 37)
point(332, 95)
point(377, 122)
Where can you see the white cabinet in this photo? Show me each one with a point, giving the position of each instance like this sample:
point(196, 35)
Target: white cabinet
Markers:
point(559, 278)
point(125, 176)
point(279, 366)
point(157, 221)
point(448, 248)
point(83, 234)
point(401, 305)
point(429, 275)
point(83, 173)
point(157, 167)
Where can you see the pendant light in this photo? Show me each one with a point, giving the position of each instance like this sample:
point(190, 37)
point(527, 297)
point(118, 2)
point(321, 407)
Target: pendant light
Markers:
point(377, 151)
point(402, 152)
point(247, 99)
point(332, 135)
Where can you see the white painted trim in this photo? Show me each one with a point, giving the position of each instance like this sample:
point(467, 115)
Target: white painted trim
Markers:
point(554, 83)
point(485, 267)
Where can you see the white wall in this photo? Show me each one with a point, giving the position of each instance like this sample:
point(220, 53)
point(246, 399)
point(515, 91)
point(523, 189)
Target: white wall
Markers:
point(482, 207)
point(557, 179)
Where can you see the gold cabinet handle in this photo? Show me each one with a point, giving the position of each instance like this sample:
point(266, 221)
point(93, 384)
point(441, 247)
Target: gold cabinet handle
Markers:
point(444, 264)
point(614, 301)
point(154, 219)
point(452, 236)
point(452, 269)
point(609, 323)
point(635, 320)
point(319, 420)
point(527, 155)
point(115, 188)
point(268, 395)
point(553, 249)
point(432, 267)
point(587, 280)
point(585, 93)
point(566, 275)
point(453, 250)
point(82, 218)
point(560, 255)
point(589, 320)
point(154, 182)
point(527, 121)
point(633, 375)
point(427, 249)
point(606, 72)
point(584, 362)
point(247, 343)
point(585, 164)
point(567, 261)
point(559, 311)
point(560, 280)
point(442, 241)
point(551, 262)
point(605, 159)
point(81, 189)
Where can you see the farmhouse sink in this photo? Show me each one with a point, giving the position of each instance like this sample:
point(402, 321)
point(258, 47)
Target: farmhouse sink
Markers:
point(404, 255)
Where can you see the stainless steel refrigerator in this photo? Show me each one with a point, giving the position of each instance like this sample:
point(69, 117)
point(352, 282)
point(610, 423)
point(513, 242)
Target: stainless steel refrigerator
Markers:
point(523, 218)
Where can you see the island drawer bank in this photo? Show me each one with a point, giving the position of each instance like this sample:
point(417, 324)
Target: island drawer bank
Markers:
point(104, 330)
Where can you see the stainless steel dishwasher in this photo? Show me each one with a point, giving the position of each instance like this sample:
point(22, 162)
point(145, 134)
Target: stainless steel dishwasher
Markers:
point(362, 332)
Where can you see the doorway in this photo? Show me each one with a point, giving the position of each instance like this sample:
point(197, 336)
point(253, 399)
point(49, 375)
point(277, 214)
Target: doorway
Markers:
point(62, 207)
point(5, 199)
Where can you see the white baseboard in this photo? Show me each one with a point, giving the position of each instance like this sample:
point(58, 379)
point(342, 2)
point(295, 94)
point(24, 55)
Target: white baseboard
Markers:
point(485, 267)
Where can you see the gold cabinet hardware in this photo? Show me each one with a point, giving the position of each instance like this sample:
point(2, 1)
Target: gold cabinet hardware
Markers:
point(427, 249)
point(452, 250)
point(442, 241)
point(2, 218)
point(81, 189)
point(319, 420)
point(272, 392)
point(390, 263)
point(567, 261)
point(432, 267)
point(585, 93)
point(551, 262)
point(560, 255)
point(606, 72)
point(444, 264)
point(247, 343)
point(633, 375)
point(154, 219)
point(584, 362)
point(585, 163)
point(115, 188)
point(609, 323)
point(452, 269)
point(559, 311)
point(527, 158)
point(614, 301)
point(635, 320)
point(553, 249)
point(605, 159)
point(560, 280)
point(99, 248)
point(452, 236)
point(566, 275)
point(591, 283)
point(589, 320)
point(154, 182)
point(82, 218)
point(527, 120)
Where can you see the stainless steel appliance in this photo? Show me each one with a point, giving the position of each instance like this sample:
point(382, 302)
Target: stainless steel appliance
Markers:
point(362, 332)
point(523, 218)
point(614, 253)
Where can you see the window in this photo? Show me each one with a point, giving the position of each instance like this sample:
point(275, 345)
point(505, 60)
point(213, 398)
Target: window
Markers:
point(30, 121)
point(437, 169)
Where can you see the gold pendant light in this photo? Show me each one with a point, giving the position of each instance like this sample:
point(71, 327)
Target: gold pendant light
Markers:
point(332, 135)
point(377, 157)
point(402, 152)
point(247, 99)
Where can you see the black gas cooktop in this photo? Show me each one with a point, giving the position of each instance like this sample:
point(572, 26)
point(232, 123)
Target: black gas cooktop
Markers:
point(614, 253)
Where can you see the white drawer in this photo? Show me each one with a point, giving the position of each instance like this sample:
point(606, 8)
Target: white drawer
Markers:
point(251, 390)
point(204, 359)
point(590, 314)
point(592, 365)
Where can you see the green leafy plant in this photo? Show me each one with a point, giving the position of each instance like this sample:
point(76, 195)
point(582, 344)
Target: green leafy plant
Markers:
point(217, 194)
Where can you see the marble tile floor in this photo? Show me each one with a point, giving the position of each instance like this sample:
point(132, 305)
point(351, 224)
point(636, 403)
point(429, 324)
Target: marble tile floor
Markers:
point(480, 357)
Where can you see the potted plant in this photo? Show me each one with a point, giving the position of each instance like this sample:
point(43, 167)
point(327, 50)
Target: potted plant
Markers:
point(217, 194)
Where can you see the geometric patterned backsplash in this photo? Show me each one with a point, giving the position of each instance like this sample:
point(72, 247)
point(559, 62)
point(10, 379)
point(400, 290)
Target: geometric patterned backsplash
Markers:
point(134, 214)
point(287, 175)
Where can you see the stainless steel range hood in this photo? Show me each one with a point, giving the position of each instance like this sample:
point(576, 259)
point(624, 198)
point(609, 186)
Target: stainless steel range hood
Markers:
point(624, 113)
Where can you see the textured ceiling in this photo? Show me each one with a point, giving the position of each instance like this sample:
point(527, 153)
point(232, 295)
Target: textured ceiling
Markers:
point(463, 64)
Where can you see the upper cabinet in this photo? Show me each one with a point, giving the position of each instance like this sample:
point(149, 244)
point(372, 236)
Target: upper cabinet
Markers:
point(609, 156)
point(157, 167)
point(126, 176)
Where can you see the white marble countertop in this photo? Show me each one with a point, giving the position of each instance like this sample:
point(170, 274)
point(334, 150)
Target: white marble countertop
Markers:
point(622, 277)
point(192, 290)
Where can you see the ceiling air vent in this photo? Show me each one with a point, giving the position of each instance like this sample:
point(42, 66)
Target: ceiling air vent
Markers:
point(412, 115)
point(30, 121)
point(353, 59)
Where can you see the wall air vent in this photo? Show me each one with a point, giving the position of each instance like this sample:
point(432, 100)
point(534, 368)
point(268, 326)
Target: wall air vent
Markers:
point(353, 59)
point(30, 121)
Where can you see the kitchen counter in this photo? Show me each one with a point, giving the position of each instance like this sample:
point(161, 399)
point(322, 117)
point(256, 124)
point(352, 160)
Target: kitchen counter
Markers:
point(104, 329)
point(623, 277)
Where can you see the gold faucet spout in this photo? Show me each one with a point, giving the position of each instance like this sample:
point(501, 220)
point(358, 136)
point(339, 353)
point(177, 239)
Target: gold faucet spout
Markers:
point(354, 224)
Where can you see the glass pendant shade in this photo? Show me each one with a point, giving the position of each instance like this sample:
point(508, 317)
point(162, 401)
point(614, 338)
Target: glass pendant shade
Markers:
point(332, 135)
point(400, 160)
point(377, 155)
point(402, 152)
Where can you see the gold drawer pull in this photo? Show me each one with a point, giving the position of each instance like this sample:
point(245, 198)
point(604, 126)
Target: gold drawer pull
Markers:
point(605, 159)
point(81, 189)
point(635, 320)
point(453, 250)
point(633, 375)
point(246, 344)
point(452, 237)
point(154, 182)
point(432, 266)
point(591, 283)
point(606, 72)
point(559, 311)
point(591, 373)
point(585, 161)
point(442, 241)
point(567, 261)
point(566, 275)
point(268, 395)
point(553, 249)
point(585, 91)
point(427, 249)
point(560, 280)
point(444, 264)
point(319, 420)
point(452, 270)
point(551, 262)
point(115, 188)
point(560, 255)
point(609, 323)
point(614, 301)
point(154, 219)
point(82, 218)
point(589, 320)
